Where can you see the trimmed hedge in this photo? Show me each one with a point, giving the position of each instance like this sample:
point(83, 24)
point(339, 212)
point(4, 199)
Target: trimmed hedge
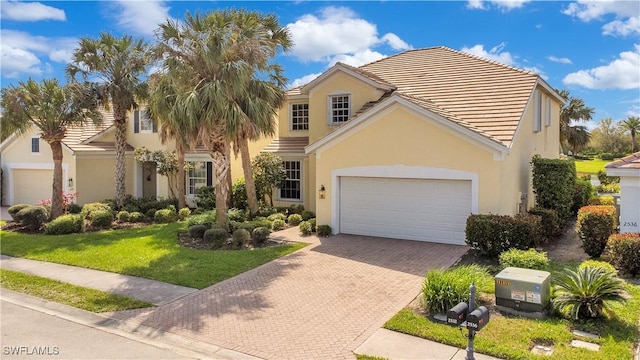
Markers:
point(279, 224)
point(89, 209)
point(183, 214)
point(594, 226)
point(624, 250)
point(136, 217)
point(294, 219)
point(494, 234)
point(554, 184)
point(528, 259)
point(102, 219)
point(260, 235)
point(307, 215)
point(197, 231)
point(602, 200)
point(15, 209)
point(324, 230)
point(277, 216)
point(306, 228)
point(550, 223)
point(165, 216)
point(217, 237)
point(583, 191)
point(123, 216)
point(207, 218)
point(65, 224)
point(241, 238)
point(33, 216)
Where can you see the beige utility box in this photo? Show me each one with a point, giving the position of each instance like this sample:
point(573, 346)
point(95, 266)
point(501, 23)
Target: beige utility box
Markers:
point(523, 289)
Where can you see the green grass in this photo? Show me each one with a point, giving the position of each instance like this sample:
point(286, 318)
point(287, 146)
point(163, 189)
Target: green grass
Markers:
point(68, 294)
point(512, 337)
point(150, 252)
point(590, 166)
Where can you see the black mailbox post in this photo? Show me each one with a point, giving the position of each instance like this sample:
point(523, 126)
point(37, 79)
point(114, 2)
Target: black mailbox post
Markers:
point(476, 319)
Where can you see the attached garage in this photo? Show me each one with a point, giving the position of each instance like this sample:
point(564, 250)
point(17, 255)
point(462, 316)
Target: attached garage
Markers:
point(433, 210)
point(31, 185)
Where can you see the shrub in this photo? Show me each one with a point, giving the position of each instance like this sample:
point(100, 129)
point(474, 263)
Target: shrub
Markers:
point(150, 214)
point(602, 200)
point(609, 188)
point(624, 250)
point(183, 214)
point(74, 208)
point(102, 219)
point(260, 235)
point(277, 216)
point(550, 224)
point(89, 209)
point(261, 222)
point(594, 225)
point(241, 238)
point(136, 217)
point(305, 228)
point(239, 195)
point(206, 197)
point(442, 290)
point(554, 184)
point(312, 221)
point(123, 216)
point(197, 231)
point(65, 224)
point(607, 180)
point(217, 237)
point(324, 230)
point(33, 216)
point(583, 191)
point(598, 264)
point(607, 157)
point(165, 216)
point(528, 259)
point(278, 224)
point(207, 218)
point(294, 219)
point(237, 215)
point(15, 209)
point(308, 214)
point(494, 234)
point(586, 292)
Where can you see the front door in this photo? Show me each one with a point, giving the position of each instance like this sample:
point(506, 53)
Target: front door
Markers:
point(149, 181)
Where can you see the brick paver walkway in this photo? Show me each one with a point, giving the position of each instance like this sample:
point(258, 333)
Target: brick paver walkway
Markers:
point(318, 303)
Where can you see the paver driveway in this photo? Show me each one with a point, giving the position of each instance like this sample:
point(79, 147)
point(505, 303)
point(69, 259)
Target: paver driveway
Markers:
point(318, 303)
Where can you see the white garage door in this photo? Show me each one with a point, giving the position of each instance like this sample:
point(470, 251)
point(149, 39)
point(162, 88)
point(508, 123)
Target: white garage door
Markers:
point(413, 209)
point(31, 186)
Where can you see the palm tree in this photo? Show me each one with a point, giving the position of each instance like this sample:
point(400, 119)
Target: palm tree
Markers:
point(574, 110)
point(120, 65)
point(52, 108)
point(578, 137)
point(632, 124)
point(211, 63)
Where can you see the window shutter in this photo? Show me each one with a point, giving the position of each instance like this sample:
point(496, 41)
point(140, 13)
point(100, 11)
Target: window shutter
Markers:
point(209, 173)
point(136, 121)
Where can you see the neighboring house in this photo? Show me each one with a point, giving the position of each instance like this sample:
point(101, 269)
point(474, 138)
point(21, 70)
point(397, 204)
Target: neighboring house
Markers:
point(408, 146)
point(89, 164)
point(628, 169)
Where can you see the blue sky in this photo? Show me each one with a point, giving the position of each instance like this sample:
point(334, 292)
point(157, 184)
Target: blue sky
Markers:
point(590, 48)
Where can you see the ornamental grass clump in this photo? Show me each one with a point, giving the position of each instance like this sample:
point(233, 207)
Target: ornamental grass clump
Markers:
point(587, 292)
point(442, 290)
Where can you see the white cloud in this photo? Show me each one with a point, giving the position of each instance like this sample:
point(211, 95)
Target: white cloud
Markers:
point(505, 5)
point(556, 59)
point(30, 11)
point(621, 73)
point(22, 52)
point(141, 17)
point(334, 32)
point(494, 54)
point(303, 80)
point(357, 59)
point(475, 4)
point(627, 20)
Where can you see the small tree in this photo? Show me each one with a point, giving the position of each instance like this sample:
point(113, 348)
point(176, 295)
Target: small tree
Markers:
point(269, 173)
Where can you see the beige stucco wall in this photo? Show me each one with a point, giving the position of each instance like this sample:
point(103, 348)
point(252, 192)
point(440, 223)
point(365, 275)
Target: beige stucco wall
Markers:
point(95, 179)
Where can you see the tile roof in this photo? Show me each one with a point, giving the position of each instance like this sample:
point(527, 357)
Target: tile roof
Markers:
point(485, 95)
point(290, 145)
point(628, 162)
point(81, 138)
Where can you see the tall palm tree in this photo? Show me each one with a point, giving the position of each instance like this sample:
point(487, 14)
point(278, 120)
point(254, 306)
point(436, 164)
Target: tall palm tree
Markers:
point(578, 137)
point(632, 124)
point(120, 64)
point(574, 110)
point(52, 108)
point(211, 61)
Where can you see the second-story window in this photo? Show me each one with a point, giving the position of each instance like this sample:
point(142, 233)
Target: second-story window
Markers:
point(142, 123)
point(339, 108)
point(299, 116)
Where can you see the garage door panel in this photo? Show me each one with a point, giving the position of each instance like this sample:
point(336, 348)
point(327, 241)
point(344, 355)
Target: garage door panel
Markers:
point(416, 209)
point(30, 186)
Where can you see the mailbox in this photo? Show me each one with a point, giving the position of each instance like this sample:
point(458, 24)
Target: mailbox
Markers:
point(457, 314)
point(478, 318)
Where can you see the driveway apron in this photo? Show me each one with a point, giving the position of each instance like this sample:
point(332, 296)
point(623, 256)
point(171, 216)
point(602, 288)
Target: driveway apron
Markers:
point(320, 302)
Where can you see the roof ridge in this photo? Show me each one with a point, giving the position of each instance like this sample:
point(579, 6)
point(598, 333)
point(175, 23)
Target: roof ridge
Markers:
point(494, 62)
point(398, 54)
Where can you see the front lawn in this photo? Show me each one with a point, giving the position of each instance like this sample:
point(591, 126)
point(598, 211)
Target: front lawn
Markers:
point(590, 166)
point(510, 337)
point(151, 252)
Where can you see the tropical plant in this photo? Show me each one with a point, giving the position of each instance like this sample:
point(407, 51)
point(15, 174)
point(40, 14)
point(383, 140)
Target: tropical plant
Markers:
point(52, 108)
point(578, 138)
point(632, 124)
point(573, 110)
point(587, 292)
point(119, 64)
point(269, 173)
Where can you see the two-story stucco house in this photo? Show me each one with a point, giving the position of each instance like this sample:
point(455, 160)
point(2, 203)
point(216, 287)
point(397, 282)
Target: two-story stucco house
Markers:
point(89, 164)
point(408, 146)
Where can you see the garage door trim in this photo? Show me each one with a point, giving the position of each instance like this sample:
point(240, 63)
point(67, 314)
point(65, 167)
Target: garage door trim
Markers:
point(399, 172)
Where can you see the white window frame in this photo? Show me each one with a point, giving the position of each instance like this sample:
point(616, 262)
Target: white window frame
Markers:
point(537, 111)
point(198, 181)
point(547, 117)
point(304, 124)
point(300, 180)
point(37, 138)
point(145, 123)
point(330, 115)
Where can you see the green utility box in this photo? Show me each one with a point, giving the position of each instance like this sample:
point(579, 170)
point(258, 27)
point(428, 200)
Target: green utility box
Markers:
point(523, 289)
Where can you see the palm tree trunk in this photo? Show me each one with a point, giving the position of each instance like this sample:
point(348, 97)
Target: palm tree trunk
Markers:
point(182, 202)
point(249, 184)
point(56, 193)
point(120, 117)
point(218, 152)
point(228, 179)
point(634, 147)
